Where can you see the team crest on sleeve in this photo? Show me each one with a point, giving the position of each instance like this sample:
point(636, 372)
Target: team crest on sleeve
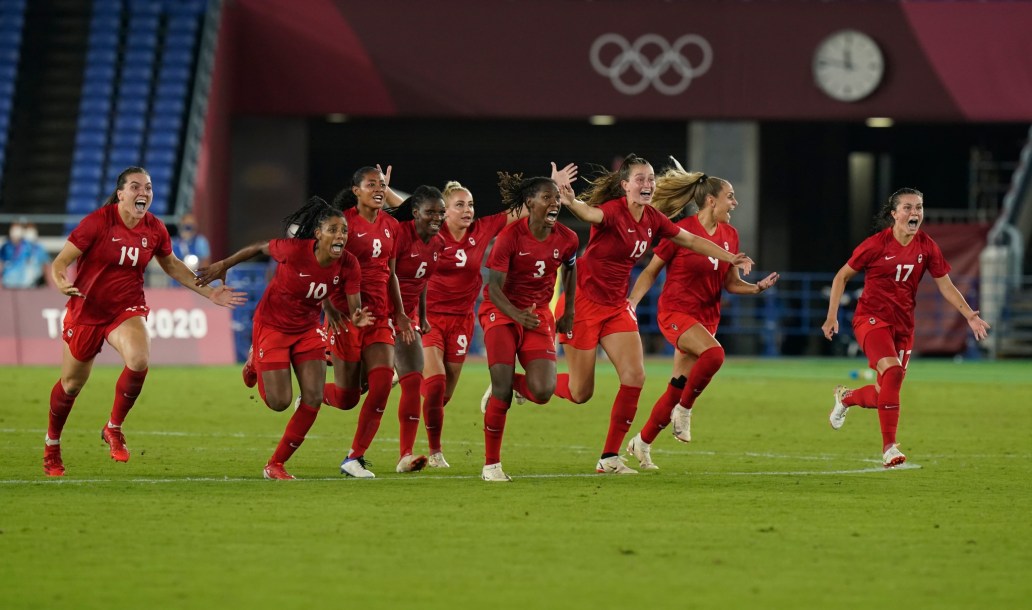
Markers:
point(555, 253)
point(873, 321)
point(727, 246)
point(435, 257)
point(491, 317)
point(144, 242)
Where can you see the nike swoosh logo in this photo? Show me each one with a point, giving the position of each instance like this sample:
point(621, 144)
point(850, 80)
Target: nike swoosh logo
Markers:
point(524, 253)
point(449, 248)
point(414, 254)
point(413, 418)
point(632, 230)
point(294, 445)
point(305, 274)
point(888, 258)
point(360, 234)
point(116, 239)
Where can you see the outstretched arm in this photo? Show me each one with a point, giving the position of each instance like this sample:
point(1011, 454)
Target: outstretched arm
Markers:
point(223, 295)
point(949, 291)
point(707, 248)
point(645, 280)
point(734, 283)
point(838, 286)
point(218, 269)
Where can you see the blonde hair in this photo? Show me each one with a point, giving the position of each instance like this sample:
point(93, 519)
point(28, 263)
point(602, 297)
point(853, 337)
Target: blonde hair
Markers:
point(451, 186)
point(676, 189)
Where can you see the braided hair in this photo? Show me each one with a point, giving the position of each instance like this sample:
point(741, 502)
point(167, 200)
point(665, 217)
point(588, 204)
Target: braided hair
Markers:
point(310, 217)
point(677, 190)
point(607, 185)
point(120, 183)
point(883, 219)
point(516, 190)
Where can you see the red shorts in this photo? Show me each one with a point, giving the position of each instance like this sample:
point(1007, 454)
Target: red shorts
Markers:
point(86, 340)
point(879, 340)
point(274, 349)
point(595, 320)
point(350, 341)
point(414, 316)
point(450, 334)
point(673, 324)
point(506, 339)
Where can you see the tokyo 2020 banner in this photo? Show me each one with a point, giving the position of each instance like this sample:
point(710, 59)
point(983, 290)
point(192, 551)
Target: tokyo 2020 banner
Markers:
point(184, 328)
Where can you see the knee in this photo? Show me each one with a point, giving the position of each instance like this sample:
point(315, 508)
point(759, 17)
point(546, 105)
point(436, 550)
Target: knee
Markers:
point(138, 361)
point(542, 389)
point(72, 387)
point(715, 356)
point(582, 396)
point(502, 391)
point(634, 379)
point(312, 399)
point(278, 403)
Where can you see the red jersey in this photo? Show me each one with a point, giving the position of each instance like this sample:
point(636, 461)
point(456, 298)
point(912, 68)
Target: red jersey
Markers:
point(530, 265)
point(110, 270)
point(416, 263)
point(892, 273)
point(694, 282)
point(291, 302)
point(453, 288)
point(373, 244)
point(615, 244)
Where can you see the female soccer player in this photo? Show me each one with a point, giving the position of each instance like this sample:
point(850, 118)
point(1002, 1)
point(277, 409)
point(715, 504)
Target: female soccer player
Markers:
point(689, 306)
point(619, 206)
point(893, 261)
point(287, 330)
point(373, 240)
point(515, 314)
point(419, 249)
point(112, 246)
point(450, 296)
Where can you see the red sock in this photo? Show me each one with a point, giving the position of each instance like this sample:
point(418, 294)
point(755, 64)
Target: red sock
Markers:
point(60, 406)
point(562, 387)
point(341, 398)
point(888, 404)
point(297, 428)
point(865, 397)
point(127, 390)
point(660, 416)
point(519, 383)
point(494, 427)
point(433, 410)
point(408, 411)
point(702, 373)
point(372, 410)
point(621, 418)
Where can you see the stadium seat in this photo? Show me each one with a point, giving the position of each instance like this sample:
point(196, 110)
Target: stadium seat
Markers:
point(186, 7)
point(132, 73)
point(143, 58)
point(96, 106)
point(101, 56)
point(101, 22)
point(130, 122)
point(131, 106)
point(161, 174)
point(156, 156)
point(88, 154)
point(81, 205)
point(107, 7)
point(141, 40)
point(97, 91)
point(93, 121)
point(91, 137)
point(173, 90)
point(87, 172)
point(166, 122)
point(123, 157)
point(134, 89)
point(174, 74)
point(163, 139)
point(178, 57)
point(182, 41)
point(103, 39)
point(83, 188)
point(127, 139)
point(99, 74)
point(143, 22)
point(169, 106)
point(182, 24)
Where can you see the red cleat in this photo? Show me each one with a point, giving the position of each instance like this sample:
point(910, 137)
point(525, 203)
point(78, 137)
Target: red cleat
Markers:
point(250, 375)
point(52, 464)
point(116, 442)
point(275, 471)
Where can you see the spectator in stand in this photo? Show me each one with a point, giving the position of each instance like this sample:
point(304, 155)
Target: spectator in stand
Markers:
point(689, 305)
point(893, 261)
point(112, 246)
point(24, 263)
point(190, 246)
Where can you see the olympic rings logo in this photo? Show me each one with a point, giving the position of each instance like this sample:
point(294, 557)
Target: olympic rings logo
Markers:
point(650, 68)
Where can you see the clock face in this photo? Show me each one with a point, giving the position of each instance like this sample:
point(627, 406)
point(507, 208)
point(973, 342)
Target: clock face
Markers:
point(848, 65)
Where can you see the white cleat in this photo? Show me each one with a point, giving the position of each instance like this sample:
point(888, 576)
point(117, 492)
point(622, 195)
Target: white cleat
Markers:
point(838, 412)
point(411, 463)
point(613, 465)
point(893, 457)
point(519, 398)
point(483, 400)
point(640, 450)
point(395, 379)
point(681, 424)
point(356, 467)
point(436, 460)
point(494, 474)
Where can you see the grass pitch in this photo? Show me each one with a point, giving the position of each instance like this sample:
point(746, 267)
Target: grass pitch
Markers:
point(766, 508)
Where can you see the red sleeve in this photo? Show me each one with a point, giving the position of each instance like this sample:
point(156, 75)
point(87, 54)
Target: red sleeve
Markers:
point(352, 274)
point(164, 247)
point(85, 233)
point(665, 226)
point(937, 264)
point(279, 249)
point(570, 255)
point(501, 252)
point(494, 224)
point(666, 250)
point(864, 253)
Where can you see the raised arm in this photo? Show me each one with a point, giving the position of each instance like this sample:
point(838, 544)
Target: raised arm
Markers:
point(218, 269)
point(707, 248)
point(564, 180)
point(949, 292)
point(223, 295)
point(838, 286)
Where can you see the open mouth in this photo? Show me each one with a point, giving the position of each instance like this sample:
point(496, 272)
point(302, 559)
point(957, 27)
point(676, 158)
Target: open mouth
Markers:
point(141, 204)
point(552, 215)
point(912, 223)
point(434, 226)
point(337, 248)
point(646, 194)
